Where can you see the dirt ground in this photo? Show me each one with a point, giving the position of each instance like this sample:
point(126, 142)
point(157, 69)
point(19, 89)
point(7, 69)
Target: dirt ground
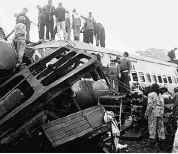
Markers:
point(140, 147)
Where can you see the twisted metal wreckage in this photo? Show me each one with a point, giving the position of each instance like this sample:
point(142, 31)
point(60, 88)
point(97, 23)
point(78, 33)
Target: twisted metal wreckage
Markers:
point(50, 105)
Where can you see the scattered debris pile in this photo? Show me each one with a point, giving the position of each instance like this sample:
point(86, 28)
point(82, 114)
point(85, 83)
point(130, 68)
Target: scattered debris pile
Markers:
point(39, 102)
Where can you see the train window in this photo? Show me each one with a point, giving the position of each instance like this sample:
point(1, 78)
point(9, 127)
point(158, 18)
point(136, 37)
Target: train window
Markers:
point(160, 79)
point(154, 78)
point(174, 79)
point(141, 76)
point(134, 76)
point(169, 79)
point(164, 79)
point(148, 77)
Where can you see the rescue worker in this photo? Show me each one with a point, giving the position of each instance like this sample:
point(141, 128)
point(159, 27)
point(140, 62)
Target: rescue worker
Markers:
point(171, 54)
point(68, 25)
point(101, 35)
point(49, 21)
point(60, 21)
point(20, 38)
point(125, 68)
point(155, 112)
point(90, 28)
point(27, 22)
point(76, 24)
point(175, 115)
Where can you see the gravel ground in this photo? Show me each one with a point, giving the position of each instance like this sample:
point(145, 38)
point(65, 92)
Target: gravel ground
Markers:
point(140, 147)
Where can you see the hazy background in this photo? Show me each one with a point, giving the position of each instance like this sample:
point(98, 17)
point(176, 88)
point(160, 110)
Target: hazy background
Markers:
point(130, 25)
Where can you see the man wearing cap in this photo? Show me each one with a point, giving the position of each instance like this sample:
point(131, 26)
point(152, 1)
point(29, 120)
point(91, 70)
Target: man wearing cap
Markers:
point(60, 20)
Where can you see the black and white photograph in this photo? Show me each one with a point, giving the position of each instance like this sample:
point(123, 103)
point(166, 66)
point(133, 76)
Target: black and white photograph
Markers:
point(88, 76)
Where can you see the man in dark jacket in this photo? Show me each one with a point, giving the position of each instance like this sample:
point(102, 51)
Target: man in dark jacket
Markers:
point(49, 21)
point(60, 21)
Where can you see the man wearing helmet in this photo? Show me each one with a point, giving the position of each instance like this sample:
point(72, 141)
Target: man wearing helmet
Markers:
point(20, 37)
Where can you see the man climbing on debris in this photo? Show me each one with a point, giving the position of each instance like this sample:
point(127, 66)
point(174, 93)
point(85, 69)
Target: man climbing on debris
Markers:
point(27, 22)
point(125, 68)
point(171, 54)
point(20, 38)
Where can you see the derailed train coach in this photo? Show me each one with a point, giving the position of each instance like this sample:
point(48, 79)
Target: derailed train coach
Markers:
point(145, 71)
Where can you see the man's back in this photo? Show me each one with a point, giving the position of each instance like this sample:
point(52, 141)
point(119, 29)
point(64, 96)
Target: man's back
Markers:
point(125, 64)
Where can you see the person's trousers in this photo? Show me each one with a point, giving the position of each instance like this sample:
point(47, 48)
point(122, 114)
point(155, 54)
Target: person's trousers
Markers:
point(102, 41)
point(68, 31)
point(156, 127)
point(76, 30)
point(124, 85)
point(49, 29)
point(41, 30)
point(61, 26)
point(21, 46)
point(175, 145)
point(89, 36)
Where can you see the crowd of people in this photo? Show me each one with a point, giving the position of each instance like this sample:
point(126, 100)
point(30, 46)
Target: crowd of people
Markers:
point(162, 115)
point(52, 21)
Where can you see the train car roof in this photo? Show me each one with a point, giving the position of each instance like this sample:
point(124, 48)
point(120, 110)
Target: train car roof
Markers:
point(86, 46)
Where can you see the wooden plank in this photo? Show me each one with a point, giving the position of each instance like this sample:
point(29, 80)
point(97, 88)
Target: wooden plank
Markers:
point(69, 117)
point(61, 120)
point(72, 137)
point(69, 133)
point(67, 128)
point(64, 124)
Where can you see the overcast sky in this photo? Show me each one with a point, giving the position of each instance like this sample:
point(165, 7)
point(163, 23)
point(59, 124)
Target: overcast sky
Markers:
point(130, 25)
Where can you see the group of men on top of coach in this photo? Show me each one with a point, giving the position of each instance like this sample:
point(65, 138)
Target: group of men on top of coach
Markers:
point(53, 20)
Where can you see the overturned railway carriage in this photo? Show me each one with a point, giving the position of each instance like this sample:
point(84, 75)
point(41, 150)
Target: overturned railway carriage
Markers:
point(42, 92)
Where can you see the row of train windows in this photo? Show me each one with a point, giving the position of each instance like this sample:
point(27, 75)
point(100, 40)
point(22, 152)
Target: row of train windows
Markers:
point(153, 78)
